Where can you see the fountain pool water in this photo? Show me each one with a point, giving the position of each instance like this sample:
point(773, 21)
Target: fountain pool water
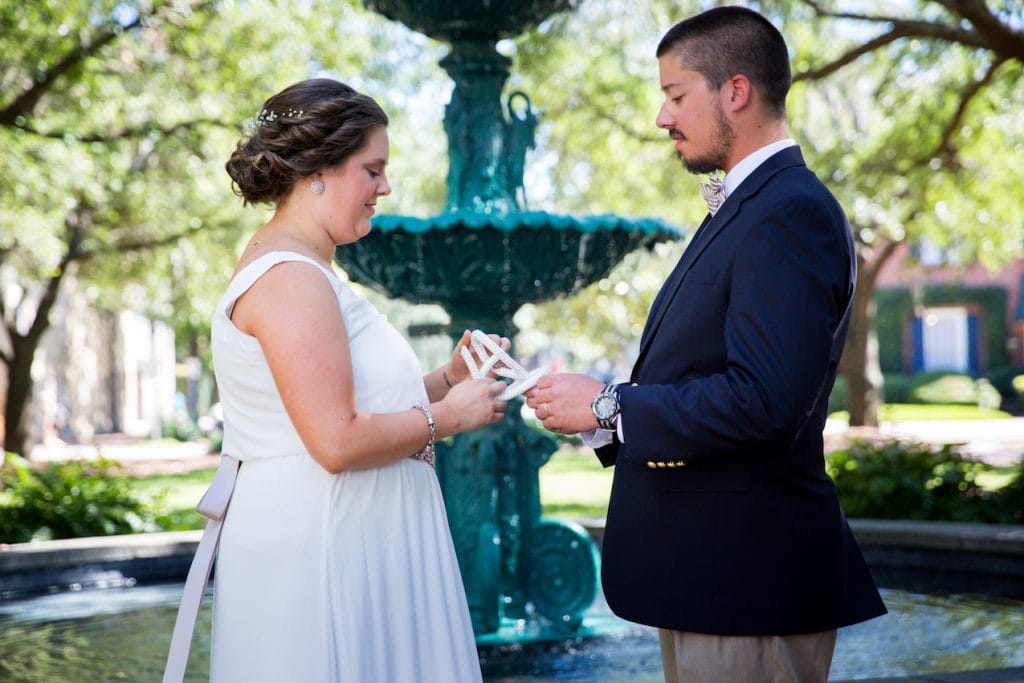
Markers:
point(121, 634)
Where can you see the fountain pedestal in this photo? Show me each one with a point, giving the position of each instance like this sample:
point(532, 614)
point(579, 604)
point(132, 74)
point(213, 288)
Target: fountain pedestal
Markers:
point(525, 577)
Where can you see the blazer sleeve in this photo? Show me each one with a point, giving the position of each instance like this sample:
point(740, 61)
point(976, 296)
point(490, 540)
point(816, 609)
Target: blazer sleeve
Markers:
point(608, 454)
point(789, 284)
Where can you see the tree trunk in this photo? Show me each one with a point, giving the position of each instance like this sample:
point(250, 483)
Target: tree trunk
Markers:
point(19, 396)
point(24, 346)
point(859, 365)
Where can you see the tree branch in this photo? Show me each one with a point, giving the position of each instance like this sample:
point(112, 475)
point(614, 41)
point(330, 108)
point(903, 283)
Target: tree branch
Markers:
point(5, 357)
point(26, 101)
point(1006, 41)
point(139, 245)
point(76, 226)
point(604, 115)
point(946, 149)
point(989, 34)
point(871, 257)
point(123, 134)
point(851, 56)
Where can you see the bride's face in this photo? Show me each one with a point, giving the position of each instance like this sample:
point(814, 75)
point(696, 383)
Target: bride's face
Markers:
point(353, 187)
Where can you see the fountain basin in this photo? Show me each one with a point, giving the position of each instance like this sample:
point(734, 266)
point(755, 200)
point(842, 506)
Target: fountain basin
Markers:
point(943, 557)
point(483, 266)
point(123, 634)
point(450, 20)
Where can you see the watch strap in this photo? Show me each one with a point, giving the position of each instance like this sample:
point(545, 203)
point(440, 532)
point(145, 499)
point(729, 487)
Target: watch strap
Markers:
point(609, 423)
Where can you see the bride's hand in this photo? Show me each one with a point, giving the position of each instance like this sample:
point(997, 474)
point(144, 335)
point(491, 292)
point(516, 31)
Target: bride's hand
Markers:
point(457, 369)
point(474, 403)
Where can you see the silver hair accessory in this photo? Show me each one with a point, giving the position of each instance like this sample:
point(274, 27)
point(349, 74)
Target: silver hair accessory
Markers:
point(269, 116)
point(317, 186)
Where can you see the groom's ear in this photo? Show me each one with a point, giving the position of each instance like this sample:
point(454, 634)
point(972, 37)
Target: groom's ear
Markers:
point(736, 93)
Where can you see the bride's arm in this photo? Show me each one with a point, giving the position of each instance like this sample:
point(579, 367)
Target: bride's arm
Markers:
point(306, 346)
point(439, 381)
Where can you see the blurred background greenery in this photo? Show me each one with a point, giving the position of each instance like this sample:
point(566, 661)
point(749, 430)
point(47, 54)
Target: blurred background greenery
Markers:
point(116, 117)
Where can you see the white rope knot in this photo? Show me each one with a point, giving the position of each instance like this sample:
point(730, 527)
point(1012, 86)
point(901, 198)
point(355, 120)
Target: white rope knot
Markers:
point(494, 359)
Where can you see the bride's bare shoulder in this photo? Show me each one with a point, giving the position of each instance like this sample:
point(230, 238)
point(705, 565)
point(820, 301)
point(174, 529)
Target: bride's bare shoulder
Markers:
point(266, 242)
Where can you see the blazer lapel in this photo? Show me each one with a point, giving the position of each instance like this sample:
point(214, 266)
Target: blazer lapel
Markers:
point(706, 233)
point(653, 316)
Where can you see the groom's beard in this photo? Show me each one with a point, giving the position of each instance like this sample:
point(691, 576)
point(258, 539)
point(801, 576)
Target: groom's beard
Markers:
point(717, 157)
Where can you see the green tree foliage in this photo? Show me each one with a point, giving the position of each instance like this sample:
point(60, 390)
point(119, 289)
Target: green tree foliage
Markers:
point(593, 75)
point(910, 113)
point(115, 120)
point(116, 117)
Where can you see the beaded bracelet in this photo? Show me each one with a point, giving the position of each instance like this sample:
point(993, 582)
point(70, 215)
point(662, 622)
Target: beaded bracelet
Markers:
point(426, 454)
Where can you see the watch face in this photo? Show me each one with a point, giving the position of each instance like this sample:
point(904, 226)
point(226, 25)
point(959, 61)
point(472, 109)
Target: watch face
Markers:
point(605, 407)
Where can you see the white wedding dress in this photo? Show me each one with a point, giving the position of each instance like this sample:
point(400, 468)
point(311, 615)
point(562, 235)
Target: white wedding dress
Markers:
point(321, 578)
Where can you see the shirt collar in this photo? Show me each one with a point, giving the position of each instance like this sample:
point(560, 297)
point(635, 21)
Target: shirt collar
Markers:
point(750, 163)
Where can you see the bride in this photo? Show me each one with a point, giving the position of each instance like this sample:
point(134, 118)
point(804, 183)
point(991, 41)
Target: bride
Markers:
point(336, 562)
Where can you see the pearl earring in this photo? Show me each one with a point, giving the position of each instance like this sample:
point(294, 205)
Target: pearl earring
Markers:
point(317, 186)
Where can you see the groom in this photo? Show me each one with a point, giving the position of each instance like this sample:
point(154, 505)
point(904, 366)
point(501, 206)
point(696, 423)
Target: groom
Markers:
point(723, 529)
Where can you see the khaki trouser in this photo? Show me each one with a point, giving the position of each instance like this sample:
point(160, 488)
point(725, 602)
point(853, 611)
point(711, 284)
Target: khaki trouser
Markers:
point(700, 658)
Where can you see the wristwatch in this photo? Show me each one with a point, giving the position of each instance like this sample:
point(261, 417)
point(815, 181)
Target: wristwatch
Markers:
point(606, 407)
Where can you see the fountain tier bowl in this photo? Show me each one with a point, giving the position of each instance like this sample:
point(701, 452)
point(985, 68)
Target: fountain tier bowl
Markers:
point(484, 266)
point(469, 19)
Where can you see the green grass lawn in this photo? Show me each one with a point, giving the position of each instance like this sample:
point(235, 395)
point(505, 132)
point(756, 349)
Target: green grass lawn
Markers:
point(913, 412)
point(572, 483)
point(176, 495)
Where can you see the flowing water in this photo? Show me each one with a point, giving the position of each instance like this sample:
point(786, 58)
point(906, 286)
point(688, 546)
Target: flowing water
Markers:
point(121, 634)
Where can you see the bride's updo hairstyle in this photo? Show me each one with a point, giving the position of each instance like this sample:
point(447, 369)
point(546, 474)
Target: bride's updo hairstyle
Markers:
point(301, 130)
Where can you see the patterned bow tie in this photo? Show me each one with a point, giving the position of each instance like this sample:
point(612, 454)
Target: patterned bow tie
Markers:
point(713, 192)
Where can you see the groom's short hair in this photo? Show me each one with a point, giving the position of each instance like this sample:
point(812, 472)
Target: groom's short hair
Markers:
point(725, 41)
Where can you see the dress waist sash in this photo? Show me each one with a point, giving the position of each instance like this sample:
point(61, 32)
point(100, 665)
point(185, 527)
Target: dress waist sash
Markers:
point(213, 505)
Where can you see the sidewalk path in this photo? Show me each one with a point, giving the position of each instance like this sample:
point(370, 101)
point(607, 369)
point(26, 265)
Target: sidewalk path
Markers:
point(997, 442)
point(138, 457)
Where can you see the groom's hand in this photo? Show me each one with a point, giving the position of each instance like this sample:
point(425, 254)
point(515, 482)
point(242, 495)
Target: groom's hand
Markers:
point(562, 402)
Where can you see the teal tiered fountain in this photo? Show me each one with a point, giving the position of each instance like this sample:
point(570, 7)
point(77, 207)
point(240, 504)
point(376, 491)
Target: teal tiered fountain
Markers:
point(526, 578)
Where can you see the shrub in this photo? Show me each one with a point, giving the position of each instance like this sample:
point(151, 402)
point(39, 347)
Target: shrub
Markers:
point(1011, 498)
point(943, 388)
point(1002, 377)
point(896, 387)
point(988, 395)
point(940, 387)
point(67, 500)
point(908, 480)
point(216, 440)
point(180, 429)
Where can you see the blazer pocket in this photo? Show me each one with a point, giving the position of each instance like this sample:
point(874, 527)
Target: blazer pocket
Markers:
point(703, 476)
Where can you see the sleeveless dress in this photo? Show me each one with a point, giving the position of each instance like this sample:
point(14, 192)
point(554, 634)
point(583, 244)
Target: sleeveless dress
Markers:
point(330, 578)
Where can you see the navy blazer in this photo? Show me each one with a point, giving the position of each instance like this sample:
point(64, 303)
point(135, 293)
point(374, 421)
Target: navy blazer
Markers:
point(722, 519)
